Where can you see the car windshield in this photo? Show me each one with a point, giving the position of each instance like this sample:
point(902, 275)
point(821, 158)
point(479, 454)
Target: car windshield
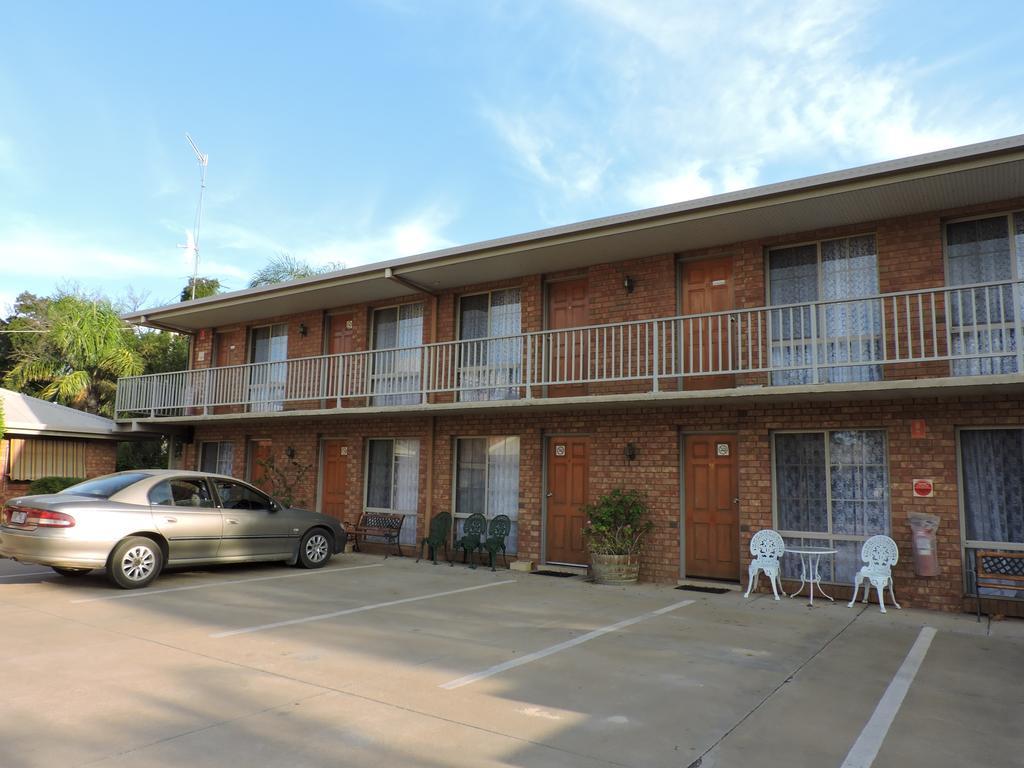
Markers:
point(106, 486)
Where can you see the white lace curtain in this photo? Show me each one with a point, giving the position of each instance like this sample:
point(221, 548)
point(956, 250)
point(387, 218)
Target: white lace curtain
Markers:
point(392, 480)
point(487, 480)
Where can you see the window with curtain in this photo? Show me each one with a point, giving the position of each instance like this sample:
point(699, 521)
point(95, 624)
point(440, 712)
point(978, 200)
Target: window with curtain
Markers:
point(982, 320)
point(842, 333)
point(831, 489)
point(487, 481)
point(269, 371)
point(217, 457)
point(992, 487)
point(393, 479)
point(489, 360)
point(35, 457)
point(397, 338)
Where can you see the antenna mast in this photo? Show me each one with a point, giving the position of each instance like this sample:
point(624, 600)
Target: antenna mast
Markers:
point(204, 160)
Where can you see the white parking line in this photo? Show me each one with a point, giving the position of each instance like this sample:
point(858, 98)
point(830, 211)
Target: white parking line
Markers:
point(360, 609)
point(151, 592)
point(30, 573)
point(865, 749)
point(505, 666)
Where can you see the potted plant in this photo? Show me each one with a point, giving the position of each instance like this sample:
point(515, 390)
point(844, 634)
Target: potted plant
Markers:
point(616, 531)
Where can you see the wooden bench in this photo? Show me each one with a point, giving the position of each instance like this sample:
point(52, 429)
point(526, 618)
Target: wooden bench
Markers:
point(383, 525)
point(997, 570)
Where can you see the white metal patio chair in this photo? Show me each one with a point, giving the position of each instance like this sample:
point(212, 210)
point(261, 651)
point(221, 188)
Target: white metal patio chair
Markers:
point(767, 547)
point(881, 554)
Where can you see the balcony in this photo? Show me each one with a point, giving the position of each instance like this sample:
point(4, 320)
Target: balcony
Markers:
point(968, 331)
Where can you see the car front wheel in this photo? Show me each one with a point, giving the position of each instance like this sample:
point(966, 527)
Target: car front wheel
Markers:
point(135, 562)
point(315, 548)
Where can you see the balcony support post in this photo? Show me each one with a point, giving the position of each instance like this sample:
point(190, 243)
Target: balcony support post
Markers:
point(656, 350)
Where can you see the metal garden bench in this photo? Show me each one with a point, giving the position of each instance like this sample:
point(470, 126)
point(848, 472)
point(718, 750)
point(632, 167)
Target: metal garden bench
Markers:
point(997, 570)
point(383, 525)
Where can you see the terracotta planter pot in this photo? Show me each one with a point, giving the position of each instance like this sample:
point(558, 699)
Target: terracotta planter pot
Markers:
point(615, 569)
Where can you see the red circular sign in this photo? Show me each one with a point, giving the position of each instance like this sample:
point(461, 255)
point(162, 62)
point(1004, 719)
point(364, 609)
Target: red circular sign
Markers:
point(923, 487)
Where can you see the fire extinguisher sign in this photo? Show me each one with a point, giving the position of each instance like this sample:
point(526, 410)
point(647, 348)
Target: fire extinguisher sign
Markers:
point(924, 489)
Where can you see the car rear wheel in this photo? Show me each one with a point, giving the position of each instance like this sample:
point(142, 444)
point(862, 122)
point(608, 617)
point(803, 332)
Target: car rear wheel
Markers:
point(315, 548)
point(71, 572)
point(135, 562)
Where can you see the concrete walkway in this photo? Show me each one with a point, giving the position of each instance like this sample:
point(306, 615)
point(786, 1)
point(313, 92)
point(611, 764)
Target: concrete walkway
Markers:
point(371, 662)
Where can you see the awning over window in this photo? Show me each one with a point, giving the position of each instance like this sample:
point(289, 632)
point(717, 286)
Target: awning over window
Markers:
point(32, 458)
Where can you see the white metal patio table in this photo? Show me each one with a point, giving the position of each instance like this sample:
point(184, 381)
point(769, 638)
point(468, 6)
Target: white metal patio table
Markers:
point(810, 569)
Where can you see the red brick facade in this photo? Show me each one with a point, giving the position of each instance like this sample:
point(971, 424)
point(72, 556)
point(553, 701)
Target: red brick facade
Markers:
point(910, 256)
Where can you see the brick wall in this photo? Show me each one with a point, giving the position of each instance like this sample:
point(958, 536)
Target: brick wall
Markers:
point(656, 432)
point(100, 459)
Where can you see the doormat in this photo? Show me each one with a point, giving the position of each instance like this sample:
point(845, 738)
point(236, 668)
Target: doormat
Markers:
point(709, 590)
point(556, 574)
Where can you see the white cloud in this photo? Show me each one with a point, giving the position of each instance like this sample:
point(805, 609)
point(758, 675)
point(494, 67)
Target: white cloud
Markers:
point(699, 98)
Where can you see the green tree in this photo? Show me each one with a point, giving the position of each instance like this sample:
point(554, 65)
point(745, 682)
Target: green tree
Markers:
point(84, 348)
point(205, 286)
point(284, 267)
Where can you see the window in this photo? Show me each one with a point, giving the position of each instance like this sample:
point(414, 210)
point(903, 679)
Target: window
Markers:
point(393, 479)
point(182, 492)
point(237, 496)
point(269, 371)
point(489, 358)
point(397, 337)
point(834, 332)
point(33, 458)
point(831, 489)
point(106, 486)
point(982, 320)
point(218, 458)
point(992, 488)
point(487, 480)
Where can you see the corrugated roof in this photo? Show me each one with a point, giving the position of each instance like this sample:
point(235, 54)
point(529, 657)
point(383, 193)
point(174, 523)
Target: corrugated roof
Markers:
point(24, 414)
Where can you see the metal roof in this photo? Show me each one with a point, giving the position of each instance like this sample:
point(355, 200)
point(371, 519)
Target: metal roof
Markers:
point(25, 415)
point(977, 173)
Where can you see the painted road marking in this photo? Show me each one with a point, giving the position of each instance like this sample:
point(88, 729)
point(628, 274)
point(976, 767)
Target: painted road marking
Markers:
point(360, 609)
point(505, 666)
point(151, 592)
point(865, 749)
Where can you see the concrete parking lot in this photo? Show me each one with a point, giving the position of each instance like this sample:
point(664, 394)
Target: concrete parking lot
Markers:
point(387, 662)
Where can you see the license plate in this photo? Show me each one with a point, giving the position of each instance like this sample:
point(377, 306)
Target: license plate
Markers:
point(19, 518)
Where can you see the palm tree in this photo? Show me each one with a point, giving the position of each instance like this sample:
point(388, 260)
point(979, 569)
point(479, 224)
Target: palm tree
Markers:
point(284, 267)
point(85, 347)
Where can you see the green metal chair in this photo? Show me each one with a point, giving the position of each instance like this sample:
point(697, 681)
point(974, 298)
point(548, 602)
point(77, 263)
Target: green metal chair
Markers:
point(497, 532)
point(440, 528)
point(474, 527)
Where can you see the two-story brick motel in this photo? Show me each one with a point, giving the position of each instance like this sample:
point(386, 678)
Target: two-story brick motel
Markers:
point(792, 356)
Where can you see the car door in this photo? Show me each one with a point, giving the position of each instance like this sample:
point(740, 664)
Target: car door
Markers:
point(253, 526)
point(185, 512)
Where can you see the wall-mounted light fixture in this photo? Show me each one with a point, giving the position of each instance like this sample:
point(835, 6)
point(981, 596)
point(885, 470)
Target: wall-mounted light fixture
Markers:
point(303, 330)
point(289, 452)
point(631, 452)
point(629, 284)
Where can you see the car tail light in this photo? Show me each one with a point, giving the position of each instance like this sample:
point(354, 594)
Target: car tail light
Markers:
point(30, 517)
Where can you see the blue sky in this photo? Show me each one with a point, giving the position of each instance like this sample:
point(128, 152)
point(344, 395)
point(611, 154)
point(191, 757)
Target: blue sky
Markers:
point(358, 131)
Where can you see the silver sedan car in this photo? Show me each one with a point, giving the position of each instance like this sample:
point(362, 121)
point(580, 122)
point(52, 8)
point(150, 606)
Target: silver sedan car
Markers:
point(134, 523)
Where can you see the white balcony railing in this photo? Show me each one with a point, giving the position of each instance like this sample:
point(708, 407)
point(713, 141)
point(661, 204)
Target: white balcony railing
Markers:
point(976, 328)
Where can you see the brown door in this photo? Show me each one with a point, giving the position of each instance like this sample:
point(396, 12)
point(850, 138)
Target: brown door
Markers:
point(707, 287)
point(335, 479)
point(341, 338)
point(260, 453)
point(568, 479)
point(712, 508)
point(219, 354)
point(567, 355)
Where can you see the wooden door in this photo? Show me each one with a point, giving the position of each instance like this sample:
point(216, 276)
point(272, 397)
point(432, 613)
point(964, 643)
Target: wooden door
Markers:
point(711, 507)
point(260, 452)
point(707, 286)
point(341, 338)
point(567, 353)
point(219, 355)
point(335, 480)
point(567, 484)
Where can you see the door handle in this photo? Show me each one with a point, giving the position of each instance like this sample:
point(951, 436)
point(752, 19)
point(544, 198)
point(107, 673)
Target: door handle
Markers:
point(232, 521)
point(735, 499)
point(170, 519)
point(550, 494)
